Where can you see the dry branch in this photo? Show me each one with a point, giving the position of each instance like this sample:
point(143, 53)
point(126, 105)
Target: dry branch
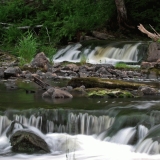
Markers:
point(23, 27)
point(154, 36)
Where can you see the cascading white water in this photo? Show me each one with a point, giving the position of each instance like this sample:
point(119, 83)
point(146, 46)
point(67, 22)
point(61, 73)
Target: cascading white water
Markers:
point(112, 53)
point(124, 136)
point(89, 142)
point(4, 123)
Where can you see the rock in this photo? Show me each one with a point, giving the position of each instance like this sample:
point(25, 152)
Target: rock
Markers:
point(145, 90)
point(1, 72)
point(147, 65)
point(153, 52)
point(25, 141)
point(27, 74)
point(49, 75)
point(101, 35)
point(106, 66)
point(80, 91)
point(41, 61)
point(12, 72)
point(83, 74)
point(72, 67)
point(56, 93)
point(103, 70)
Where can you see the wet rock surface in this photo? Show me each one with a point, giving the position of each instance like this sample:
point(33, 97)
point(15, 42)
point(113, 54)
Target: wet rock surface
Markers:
point(25, 141)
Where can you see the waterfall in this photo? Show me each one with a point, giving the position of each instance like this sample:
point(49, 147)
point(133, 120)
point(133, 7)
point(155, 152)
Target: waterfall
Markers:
point(4, 123)
point(109, 52)
point(61, 122)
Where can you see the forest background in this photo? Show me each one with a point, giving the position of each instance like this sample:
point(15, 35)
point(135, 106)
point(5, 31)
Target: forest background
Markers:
point(44, 25)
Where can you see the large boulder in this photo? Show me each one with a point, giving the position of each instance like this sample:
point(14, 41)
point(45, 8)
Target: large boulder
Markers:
point(153, 52)
point(25, 141)
point(41, 61)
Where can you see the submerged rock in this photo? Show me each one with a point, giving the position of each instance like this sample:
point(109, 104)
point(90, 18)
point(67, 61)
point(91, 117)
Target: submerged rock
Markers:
point(25, 141)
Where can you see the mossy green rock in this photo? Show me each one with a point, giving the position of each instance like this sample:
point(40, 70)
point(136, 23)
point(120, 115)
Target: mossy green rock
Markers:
point(103, 83)
point(99, 92)
point(28, 142)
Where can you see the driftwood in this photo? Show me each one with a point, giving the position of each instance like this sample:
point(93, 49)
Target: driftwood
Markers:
point(44, 85)
point(154, 36)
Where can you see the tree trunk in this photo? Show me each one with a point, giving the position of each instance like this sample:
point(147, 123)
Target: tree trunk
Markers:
point(122, 15)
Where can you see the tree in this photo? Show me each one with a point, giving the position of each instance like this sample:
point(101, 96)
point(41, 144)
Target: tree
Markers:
point(122, 18)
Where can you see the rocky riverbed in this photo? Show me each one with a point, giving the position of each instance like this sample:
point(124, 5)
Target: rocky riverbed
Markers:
point(84, 79)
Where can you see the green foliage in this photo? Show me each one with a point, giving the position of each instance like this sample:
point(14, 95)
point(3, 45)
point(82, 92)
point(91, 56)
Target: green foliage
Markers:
point(15, 11)
point(83, 59)
point(122, 65)
point(63, 19)
point(26, 48)
point(11, 35)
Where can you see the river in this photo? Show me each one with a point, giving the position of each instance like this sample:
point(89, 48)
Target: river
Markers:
point(81, 128)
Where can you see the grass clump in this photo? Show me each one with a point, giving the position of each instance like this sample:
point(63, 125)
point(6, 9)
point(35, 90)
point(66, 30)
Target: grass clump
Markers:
point(26, 48)
point(121, 65)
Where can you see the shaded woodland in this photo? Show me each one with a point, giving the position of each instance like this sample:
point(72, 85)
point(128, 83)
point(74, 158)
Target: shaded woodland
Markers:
point(54, 22)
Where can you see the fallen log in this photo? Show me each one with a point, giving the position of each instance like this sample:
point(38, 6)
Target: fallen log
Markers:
point(44, 85)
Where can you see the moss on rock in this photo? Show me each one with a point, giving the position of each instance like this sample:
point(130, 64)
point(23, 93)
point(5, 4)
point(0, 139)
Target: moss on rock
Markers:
point(99, 92)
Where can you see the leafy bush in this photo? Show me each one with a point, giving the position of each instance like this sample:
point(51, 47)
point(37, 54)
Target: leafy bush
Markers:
point(63, 19)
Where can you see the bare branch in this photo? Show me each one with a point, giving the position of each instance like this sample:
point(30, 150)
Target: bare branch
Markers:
point(154, 30)
point(23, 27)
point(153, 36)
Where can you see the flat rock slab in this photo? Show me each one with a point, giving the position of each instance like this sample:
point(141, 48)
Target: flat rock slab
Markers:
point(103, 83)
